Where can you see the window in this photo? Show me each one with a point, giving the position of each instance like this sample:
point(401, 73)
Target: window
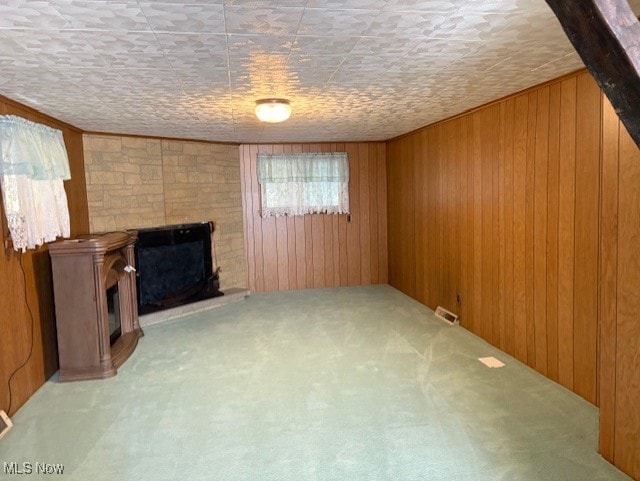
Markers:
point(299, 184)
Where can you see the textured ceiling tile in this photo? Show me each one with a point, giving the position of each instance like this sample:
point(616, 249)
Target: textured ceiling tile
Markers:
point(249, 45)
point(325, 22)
point(278, 21)
point(385, 46)
point(138, 50)
point(31, 14)
point(190, 43)
point(313, 71)
point(178, 2)
point(343, 4)
point(352, 69)
point(477, 26)
point(442, 6)
point(168, 17)
point(448, 50)
point(103, 15)
point(62, 48)
point(15, 57)
point(311, 46)
point(194, 51)
point(199, 81)
point(266, 3)
point(399, 24)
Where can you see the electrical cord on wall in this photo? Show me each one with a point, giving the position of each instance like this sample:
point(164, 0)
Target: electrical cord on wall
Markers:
point(24, 285)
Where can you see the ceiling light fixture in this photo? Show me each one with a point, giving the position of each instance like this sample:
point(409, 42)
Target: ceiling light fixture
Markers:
point(273, 110)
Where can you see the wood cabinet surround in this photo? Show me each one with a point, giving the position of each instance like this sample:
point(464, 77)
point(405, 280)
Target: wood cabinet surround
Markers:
point(83, 270)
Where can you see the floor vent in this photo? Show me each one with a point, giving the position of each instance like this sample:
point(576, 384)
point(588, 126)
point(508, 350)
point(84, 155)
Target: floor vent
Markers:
point(447, 316)
point(5, 424)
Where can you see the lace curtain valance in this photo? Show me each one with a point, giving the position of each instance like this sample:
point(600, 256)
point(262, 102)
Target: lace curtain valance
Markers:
point(306, 183)
point(33, 166)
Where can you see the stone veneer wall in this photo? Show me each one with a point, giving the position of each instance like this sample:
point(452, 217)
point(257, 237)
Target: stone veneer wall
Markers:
point(140, 182)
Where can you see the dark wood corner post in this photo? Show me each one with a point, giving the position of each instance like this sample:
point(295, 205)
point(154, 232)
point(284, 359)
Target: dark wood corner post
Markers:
point(606, 34)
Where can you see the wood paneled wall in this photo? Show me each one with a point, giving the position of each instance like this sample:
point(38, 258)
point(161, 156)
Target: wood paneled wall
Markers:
point(619, 298)
point(494, 215)
point(17, 298)
point(318, 250)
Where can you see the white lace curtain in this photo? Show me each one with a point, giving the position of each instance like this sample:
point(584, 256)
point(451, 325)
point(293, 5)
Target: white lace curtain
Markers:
point(33, 165)
point(306, 183)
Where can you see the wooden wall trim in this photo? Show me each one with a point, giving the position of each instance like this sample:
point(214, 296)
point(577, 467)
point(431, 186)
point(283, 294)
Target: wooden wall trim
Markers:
point(155, 137)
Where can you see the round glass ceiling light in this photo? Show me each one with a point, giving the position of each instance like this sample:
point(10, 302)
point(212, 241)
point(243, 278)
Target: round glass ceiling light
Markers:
point(273, 110)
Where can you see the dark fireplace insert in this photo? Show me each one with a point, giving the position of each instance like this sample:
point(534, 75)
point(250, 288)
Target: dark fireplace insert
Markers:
point(174, 266)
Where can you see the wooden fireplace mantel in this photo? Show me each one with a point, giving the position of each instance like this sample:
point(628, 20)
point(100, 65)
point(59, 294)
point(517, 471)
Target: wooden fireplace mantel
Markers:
point(83, 269)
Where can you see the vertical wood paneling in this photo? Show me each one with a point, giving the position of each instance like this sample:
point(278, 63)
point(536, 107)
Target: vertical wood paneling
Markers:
point(319, 250)
point(552, 232)
point(627, 360)
point(259, 284)
point(381, 209)
point(269, 243)
point(353, 227)
point(495, 225)
point(456, 194)
point(541, 188)
point(529, 211)
point(249, 244)
point(477, 226)
point(420, 214)
point(300, 242)
point(34, 292)
point(508, 234)
point(499, 195)
point(608, 278)
point(463, 157)
point(291, 240)
point(502, 212)
point(365, 214)
point(566, 230)
point(619, 305)
point(488, 128)
point(342, 236)
point(469, 294)
point(282, 244)
point(519, 202)
point(586, 237)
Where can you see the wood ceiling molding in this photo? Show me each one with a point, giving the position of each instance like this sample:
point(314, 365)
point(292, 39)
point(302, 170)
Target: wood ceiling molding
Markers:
point(606, 34)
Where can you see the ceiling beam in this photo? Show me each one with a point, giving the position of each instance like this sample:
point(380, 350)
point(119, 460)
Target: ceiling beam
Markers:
point(606, 34)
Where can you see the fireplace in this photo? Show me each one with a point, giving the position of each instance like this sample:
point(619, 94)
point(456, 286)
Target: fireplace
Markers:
point(113, 312)
point(175, 266)
point(95, 299)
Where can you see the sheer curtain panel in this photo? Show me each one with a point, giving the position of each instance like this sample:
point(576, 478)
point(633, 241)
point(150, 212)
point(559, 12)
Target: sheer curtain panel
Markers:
point(33, 166)
point(306, 183)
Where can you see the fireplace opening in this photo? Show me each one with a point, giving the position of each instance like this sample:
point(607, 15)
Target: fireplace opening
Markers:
point(175, 266)
point(113, 311)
